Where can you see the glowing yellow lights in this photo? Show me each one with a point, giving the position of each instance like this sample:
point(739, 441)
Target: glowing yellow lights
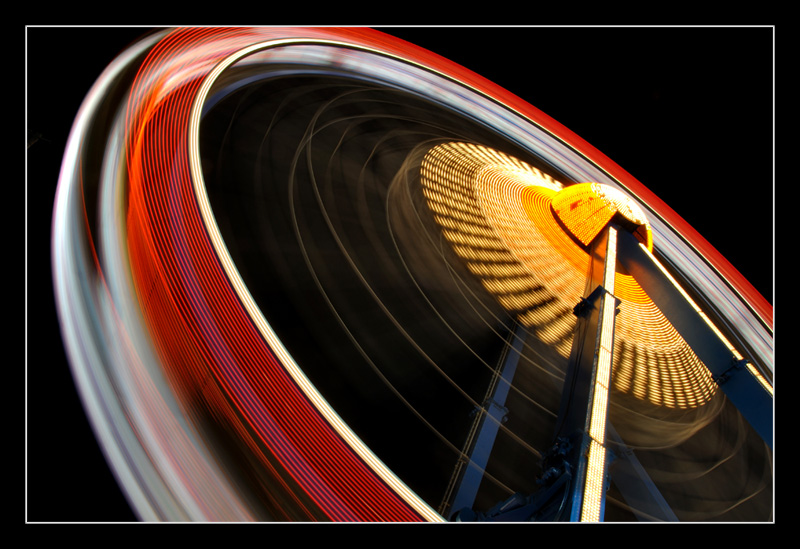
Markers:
point(611, 260)
point(736, 354)
point(761, 379)
point(500, 216)
point(596, 464)
point(595, 483)
point(585, 209)
point(468, 188)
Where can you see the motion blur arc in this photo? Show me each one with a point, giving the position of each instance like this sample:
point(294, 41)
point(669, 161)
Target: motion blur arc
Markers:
point(327, 224)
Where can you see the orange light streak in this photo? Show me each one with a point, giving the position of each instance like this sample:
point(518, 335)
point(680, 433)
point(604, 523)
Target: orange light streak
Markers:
point(206, 337)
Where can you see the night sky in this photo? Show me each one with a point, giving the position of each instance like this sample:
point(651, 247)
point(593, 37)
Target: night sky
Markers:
point(689, 112)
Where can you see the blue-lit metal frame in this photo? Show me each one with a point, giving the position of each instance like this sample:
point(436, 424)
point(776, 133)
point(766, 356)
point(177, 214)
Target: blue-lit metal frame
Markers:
point(484, 431)
point(568, 461)
point(751, 398)
point(594, 337)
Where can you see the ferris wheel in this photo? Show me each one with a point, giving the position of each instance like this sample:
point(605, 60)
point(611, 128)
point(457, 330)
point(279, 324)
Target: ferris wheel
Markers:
point(322, 274)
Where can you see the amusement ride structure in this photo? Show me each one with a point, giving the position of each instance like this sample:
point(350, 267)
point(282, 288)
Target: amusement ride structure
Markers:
point(325, 275)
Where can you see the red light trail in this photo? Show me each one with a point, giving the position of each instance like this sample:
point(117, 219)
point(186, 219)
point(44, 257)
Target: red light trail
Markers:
point(214, 351)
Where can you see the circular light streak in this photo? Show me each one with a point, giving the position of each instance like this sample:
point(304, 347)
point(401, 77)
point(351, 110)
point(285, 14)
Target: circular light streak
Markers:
point(152, 305)
point(502, 217)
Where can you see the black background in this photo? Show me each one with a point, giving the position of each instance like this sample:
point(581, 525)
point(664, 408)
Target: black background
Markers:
point(688, 111)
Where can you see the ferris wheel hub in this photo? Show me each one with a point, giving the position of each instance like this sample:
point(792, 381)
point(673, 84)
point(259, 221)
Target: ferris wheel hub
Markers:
point(585, 209)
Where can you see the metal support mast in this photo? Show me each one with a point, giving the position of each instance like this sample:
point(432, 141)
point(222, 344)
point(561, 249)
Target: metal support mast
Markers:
point(480, 441)
point(575, 470)
point(574, 481)
point(742, 383)
point(583, 415)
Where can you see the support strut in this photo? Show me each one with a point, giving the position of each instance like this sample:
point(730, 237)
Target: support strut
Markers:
point(741, 384)
point(480, 441)
point(583, 414)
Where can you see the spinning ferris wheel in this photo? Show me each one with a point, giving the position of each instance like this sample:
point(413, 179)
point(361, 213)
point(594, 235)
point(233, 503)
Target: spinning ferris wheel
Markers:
point(323, 274)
